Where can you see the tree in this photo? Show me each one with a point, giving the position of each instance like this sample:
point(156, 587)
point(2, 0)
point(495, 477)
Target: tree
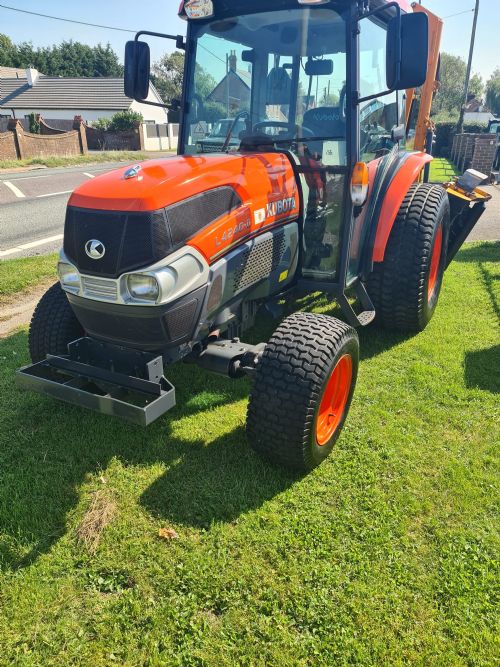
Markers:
point(66, 59)
point(493, 92)
point(451, 91)
point(6, 50)
point(168, 74)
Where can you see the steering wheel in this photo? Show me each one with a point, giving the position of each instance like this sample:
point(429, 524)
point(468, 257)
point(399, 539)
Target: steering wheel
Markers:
point(297, 131)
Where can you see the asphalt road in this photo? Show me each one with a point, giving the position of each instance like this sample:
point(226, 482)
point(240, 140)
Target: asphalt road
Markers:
point(32, 209)
point(33, 204)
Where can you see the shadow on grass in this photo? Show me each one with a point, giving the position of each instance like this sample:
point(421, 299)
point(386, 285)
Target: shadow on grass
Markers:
point(482, 369)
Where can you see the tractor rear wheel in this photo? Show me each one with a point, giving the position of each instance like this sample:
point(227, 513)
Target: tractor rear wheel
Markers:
point(53, 325)
point(405, 287)
point(302, 391)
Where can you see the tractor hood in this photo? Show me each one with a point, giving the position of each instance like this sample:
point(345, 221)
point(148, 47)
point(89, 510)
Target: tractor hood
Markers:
point(139, 215)
point(156, 184)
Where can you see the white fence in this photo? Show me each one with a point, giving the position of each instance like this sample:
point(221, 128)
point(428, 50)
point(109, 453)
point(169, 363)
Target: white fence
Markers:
point(160, 137)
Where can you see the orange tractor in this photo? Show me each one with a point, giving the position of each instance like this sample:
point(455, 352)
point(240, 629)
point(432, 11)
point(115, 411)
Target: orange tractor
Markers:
point(311, 189)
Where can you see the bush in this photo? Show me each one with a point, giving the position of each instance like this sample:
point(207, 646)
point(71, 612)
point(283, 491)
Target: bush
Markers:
point(102, 124)
point(125, 120)
point(34, 124)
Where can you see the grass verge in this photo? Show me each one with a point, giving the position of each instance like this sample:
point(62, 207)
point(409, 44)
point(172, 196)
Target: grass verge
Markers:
point(89, 158)
point(19, 274)
point(385, 555)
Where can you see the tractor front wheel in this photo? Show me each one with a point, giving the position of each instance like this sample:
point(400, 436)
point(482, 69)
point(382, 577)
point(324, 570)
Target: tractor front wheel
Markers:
point(302, 391)
point(405, 287)
point(53, 325)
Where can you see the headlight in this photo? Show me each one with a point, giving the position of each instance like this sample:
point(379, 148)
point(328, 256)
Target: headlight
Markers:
point(68, 276)
point(143, 287)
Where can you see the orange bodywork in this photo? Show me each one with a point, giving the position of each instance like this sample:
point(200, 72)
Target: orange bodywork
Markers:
point(400, 184)
point(265, 182)
point(431, 85)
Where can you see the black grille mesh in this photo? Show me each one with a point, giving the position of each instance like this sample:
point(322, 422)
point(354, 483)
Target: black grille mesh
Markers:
point(131, 240)
point(135, 240)
point(190, 216)
point(259, 261)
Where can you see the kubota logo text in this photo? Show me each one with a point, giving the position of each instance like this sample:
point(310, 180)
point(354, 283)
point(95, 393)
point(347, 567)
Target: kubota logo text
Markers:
point(274, 209)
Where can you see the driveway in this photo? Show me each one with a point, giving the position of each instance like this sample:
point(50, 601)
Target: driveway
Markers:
point(488, 227)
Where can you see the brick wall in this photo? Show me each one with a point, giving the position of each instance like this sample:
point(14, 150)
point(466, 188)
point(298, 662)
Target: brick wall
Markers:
point(474, 151)
point(8, 146)
point(484, 153)
point(16, 143)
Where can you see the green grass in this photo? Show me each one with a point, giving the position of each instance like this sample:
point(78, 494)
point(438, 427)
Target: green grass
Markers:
point(19, 274)
point(442, 170)
point(385, 555)
point(89, 158)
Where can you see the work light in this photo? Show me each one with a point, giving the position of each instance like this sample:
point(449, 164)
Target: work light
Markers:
point(69, 276)
point(142, 286)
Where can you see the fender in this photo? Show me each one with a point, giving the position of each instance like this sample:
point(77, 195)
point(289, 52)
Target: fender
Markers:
point(406, 175)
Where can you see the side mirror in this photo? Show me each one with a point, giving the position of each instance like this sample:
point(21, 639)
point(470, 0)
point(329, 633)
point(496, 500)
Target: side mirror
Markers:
point(407, 51)
point(137, 70)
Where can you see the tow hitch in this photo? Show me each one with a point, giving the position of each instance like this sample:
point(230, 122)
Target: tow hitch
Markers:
point(109, 379)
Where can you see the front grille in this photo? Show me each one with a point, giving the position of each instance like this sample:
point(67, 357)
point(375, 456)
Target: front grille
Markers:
point(136, 240)
point(99, 288)
point(259, 261)
point(131, 240)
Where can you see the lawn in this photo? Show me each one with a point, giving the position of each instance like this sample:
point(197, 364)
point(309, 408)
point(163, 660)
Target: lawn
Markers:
point(442, 170)
point(385, 555)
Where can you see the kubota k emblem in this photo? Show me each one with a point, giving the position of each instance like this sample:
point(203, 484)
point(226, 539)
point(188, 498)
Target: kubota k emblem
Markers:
point(95, 249)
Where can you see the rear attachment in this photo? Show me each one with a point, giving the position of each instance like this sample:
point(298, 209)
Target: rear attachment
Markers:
point(467, 205)
point(106, 378)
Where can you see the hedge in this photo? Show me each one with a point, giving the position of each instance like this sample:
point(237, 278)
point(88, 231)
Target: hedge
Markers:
point(445, 133)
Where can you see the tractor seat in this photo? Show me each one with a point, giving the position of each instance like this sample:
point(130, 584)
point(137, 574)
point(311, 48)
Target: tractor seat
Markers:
point(324, 122)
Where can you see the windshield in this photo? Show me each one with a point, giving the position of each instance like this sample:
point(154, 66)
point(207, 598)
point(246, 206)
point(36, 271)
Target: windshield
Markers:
point(280, 73)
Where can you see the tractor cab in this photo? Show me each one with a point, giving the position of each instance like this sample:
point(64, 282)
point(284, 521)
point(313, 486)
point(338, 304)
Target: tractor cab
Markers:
point(321, 81)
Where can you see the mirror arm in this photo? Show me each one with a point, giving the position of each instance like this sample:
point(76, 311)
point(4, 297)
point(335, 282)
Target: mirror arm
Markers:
point(179, 40)
point(374, 97)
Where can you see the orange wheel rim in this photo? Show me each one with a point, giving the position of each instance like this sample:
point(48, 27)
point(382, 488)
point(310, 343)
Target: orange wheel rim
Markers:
point(334, 400)
point(435, 260)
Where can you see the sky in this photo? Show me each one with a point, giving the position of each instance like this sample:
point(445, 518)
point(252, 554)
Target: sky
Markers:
point(161, 15)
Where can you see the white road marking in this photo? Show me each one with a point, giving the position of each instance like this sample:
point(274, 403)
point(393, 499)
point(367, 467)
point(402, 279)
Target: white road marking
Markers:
point(24, 178)
point(28, 246)
point(53, 194)
point(13, 189)
point(86, 173)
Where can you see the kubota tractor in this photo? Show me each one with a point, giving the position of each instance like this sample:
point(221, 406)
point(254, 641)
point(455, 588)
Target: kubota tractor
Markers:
point(172, 259)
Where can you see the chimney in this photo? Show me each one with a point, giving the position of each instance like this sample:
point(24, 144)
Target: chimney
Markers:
point(32, 76)
point(233, 61)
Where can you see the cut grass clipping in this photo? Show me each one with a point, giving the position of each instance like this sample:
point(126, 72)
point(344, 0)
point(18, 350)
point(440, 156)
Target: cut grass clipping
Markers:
point(101, 511)
point(385, 555)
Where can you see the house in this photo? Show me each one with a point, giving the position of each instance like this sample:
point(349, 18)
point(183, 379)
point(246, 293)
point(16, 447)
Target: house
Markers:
point(233, 91)
point(63, 98)
point(476, 111)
